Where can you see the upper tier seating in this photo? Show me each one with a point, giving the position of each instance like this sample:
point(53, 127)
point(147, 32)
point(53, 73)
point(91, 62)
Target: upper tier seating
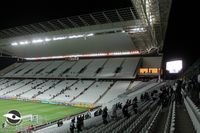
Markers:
point(109, 68)
point(91, 68)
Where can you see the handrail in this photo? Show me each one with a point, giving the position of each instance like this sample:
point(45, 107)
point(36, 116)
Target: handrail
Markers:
point(172, 124)
point(168, 127)
point(193, 112)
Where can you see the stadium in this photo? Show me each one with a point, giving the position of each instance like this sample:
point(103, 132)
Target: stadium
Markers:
point(94, 72)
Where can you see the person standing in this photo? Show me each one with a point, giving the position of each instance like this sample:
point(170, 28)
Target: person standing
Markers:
point(72, 126)
point(105, 115)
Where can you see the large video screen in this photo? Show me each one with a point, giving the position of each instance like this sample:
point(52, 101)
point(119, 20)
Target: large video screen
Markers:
point(174, 66)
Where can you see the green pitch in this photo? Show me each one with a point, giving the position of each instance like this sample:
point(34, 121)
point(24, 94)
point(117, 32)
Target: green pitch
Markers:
point(46, 112)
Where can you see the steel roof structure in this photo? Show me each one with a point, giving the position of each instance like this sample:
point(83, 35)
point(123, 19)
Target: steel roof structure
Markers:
point(140, 27)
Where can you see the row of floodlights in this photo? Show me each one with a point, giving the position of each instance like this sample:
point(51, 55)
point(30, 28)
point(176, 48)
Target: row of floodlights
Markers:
point(34, 41)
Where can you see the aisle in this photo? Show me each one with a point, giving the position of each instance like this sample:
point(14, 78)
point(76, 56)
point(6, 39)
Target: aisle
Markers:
point(183, 123)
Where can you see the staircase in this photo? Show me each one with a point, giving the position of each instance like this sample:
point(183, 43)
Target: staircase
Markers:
point(8, 69)
point(17, 88)
point(46, 89)
point(82, 92)
point(105, 92)
point(100, 68)
point(118, 69)
point(84, 68)
point(30, 89)
point(62, 91)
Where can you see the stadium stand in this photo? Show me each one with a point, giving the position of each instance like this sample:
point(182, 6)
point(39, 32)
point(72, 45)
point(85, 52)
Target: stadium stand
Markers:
point(109, 64)
point(112, 67)
point(106, 93)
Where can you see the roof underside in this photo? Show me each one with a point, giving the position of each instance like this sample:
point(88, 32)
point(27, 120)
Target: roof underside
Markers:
point(113, 32)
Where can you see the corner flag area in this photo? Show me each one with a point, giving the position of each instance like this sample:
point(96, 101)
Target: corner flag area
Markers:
point(45, 112)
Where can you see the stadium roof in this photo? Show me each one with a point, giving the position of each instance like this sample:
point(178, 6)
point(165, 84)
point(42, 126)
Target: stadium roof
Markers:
point(139, 27)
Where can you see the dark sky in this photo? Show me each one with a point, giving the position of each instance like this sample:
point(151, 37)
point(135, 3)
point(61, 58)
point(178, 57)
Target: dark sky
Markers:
point(16, 13)
point(181, 39)
point(182, 34)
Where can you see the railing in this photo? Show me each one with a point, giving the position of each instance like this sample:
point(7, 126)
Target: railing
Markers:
point(193, 112)
point(172, 125)
point(168, 125)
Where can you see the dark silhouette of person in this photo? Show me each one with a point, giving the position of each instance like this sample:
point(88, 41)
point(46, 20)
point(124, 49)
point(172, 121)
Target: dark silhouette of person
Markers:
point(72, 126)
point(125, 111)
point(105, 115)
point(79, 124)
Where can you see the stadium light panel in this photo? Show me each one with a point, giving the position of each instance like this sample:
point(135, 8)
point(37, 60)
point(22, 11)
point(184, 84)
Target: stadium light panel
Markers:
point(37, 41)
point(52, 39)
point(24, 43)
point(91, 34)
point(174, 66)
point(75, 36)
point(14, 44)
point(47, 39)
point(59, 38)
point(137, 30)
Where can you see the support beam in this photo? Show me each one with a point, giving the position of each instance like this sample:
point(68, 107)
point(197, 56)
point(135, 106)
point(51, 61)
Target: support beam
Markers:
point(53, 26)
point(83, 21)
point(108, 20)
point(44, 27)
point(36, 28)
point(73, 23)
point(119, 16)
point(62, 24)
point(94, 19)
point(132, 14)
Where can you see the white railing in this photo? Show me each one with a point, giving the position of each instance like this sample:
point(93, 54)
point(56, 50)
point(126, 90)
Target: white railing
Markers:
point(172, 124)
point(193, 112)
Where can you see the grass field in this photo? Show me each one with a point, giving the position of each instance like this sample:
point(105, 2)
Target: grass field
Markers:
point(46, 112)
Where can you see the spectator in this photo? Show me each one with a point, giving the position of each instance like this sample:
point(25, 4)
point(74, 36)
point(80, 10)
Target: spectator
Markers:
point(88, 115)
point(72, 126)
point(105, 115)
point(100, 111)
point(142, 97)
point(96, 113)
point(82, 120)
point(135, 106)
point(60, 123)
point(178, 92)
point(79, 124)
point(135, 99)
point(114, 111)
point(125, 111)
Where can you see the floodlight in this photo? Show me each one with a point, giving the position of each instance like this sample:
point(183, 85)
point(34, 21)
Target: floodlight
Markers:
point(37, 41)
point(14, 44)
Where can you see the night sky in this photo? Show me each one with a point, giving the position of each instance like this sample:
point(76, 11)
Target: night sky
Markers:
point(180, 42)
point(33, 11)
point(182, 39)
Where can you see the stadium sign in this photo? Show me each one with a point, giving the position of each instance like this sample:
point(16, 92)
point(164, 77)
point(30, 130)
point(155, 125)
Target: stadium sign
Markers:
point(13, 117)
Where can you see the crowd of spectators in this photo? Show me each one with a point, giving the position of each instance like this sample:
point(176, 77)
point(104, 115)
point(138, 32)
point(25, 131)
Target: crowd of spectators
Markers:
point(163, 94)
point(79, 123)
point(192, 88)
